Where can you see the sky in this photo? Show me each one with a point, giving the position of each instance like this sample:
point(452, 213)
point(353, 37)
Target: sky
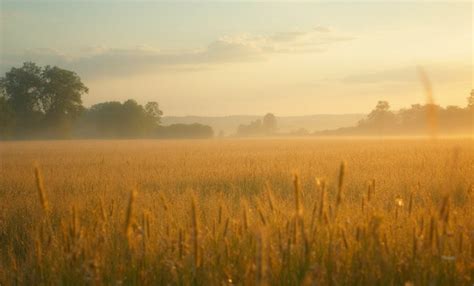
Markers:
point(226, 58)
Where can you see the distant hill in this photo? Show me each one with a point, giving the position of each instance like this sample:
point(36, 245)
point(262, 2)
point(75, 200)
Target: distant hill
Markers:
point(229, 124)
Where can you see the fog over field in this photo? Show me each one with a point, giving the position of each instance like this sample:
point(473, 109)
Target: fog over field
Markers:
point(229, 124)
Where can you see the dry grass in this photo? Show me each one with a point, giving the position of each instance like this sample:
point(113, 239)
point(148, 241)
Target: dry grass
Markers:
point(268, 212)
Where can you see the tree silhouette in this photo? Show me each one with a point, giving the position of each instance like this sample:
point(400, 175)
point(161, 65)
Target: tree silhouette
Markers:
point(470, 101)
point(381, 109)
point(128, 119)
point(21, 88)
point(42, 98)
point(269, 123)
point(61, 98)
point(152, 108)
point(380, 118)
point(7, 118)
point(265, 126)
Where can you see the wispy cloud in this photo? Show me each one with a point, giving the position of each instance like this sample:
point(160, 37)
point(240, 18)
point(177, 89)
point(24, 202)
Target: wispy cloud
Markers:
point(106, 62)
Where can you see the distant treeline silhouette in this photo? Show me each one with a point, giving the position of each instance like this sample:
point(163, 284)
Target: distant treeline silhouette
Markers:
point(259, 127)
point(46, 102)
point(416, 120)
point(267, 126)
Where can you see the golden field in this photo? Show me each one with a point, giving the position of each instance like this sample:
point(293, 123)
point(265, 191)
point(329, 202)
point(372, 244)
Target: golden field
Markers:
point(246, 212)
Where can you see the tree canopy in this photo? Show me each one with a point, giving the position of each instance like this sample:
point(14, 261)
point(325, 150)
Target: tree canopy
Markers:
point(46, 102)
point(41, 99)
point(127, 119)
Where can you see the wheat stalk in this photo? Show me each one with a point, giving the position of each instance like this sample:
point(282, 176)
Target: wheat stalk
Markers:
point(41, 190)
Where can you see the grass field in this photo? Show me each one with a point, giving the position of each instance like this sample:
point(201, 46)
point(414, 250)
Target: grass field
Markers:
point(252, 212)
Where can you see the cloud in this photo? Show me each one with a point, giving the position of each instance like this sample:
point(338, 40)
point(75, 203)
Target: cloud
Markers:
point(108, 62)
point(119, 62)
point(101, 61)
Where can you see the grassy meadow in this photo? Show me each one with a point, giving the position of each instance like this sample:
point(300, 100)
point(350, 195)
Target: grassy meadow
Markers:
point(245, 212)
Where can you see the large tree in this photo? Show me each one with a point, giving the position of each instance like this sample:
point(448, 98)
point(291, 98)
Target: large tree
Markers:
point(21, 87)
point(380, 119)
point(152, 109)
point(42, 98)
point(7, 118)
point(61, 98)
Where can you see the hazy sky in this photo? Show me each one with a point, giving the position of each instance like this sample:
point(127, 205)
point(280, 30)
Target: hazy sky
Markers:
point(220, 58)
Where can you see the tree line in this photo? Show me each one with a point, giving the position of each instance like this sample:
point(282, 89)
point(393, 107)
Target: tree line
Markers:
point(46, 102)
point(418, 119)
point(260, 127)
